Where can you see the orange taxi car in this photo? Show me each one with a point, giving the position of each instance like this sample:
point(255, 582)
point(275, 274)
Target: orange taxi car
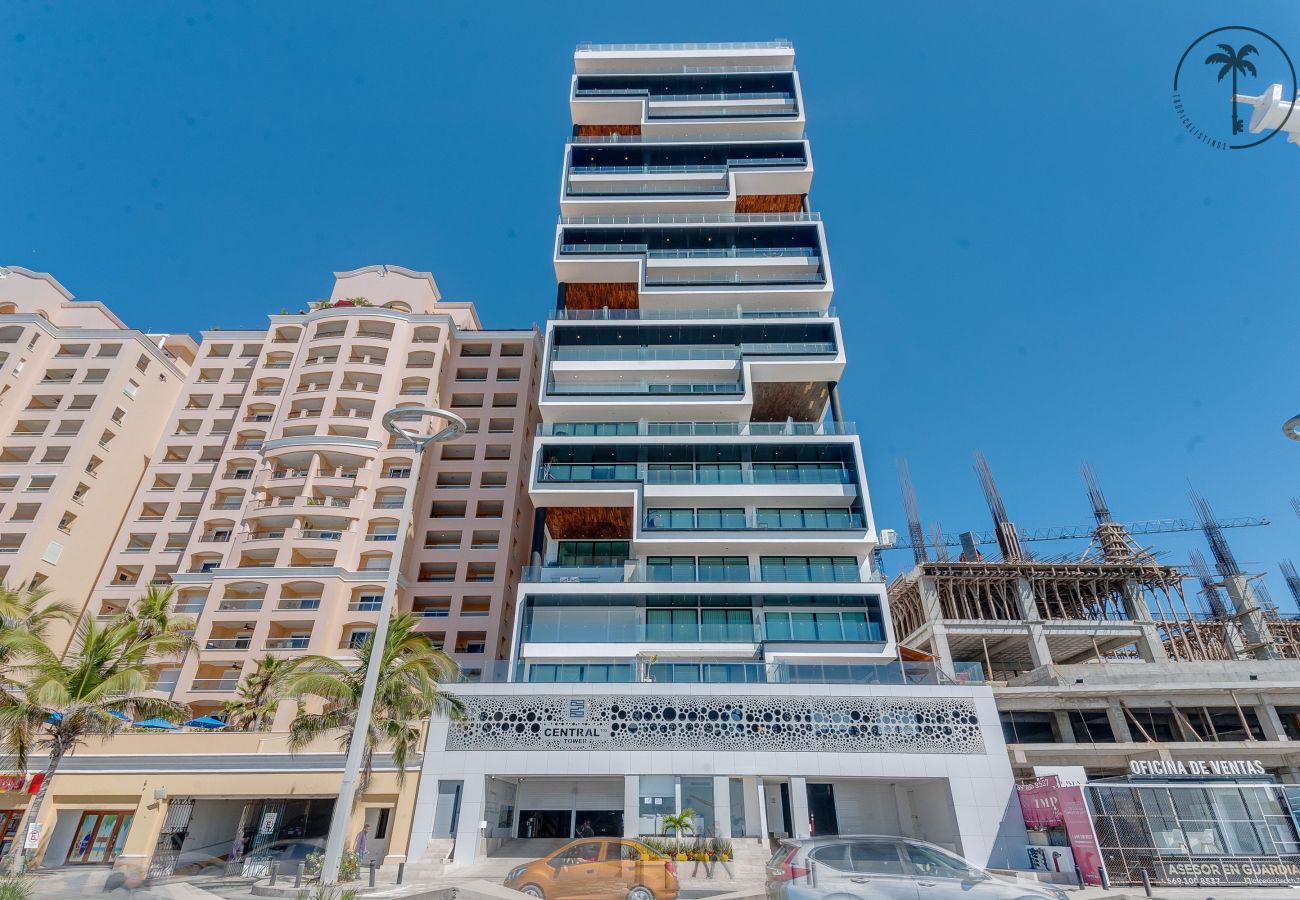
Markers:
point(598, 869)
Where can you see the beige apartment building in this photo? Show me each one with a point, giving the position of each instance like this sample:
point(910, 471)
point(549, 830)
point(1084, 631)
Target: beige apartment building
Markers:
point(272, 500)
point(83, 402)
point(268, 494)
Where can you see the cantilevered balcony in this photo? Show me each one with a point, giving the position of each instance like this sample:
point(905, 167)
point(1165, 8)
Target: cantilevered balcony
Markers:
point(708, 570)
point(772, 176)
point(776, 250)
point(709, 94)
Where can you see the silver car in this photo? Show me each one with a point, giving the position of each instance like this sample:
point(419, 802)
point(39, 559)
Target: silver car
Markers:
point(875, 867)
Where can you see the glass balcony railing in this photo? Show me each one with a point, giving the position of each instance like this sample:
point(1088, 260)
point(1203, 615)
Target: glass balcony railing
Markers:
point(811, 520)
point(664, 188)
point(758, 277)
point(692, 218)
point(892, 672)
point(689, 572)
point(215, 685)
point(694, 429)
point(581, 629)
point(734, 312)
point(239, 643)
point(594, 388)
point(646, 354)
point(778, 44)
point(701, 169)
point(287, 643)
point(719, 96)
point(641, 354)
point(719, 253)
point(685, 473)
point(724, 112)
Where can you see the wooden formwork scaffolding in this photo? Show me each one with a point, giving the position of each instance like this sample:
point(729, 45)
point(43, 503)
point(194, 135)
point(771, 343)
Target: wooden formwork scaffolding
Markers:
point(1064, 590)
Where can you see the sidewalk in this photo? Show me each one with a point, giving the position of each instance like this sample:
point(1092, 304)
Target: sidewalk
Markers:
point(1181, 893)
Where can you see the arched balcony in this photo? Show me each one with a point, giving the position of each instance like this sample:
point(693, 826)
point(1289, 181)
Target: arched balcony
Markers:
point(242, 596)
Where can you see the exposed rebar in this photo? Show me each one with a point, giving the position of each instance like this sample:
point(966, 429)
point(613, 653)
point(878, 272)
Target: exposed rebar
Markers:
point(1008, 537)
point(1224, 561)
point(1210, 590)
point(913, 512)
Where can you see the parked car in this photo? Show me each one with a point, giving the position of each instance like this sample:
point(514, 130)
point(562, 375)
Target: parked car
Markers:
point(598, 869)
point(876, 867)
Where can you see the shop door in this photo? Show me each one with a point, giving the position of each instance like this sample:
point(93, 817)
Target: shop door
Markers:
point(99, 838)
point(821, 810)
point(9, 819)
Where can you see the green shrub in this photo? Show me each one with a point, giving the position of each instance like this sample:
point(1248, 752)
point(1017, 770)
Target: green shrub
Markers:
point(350, 866)
point(16, 887)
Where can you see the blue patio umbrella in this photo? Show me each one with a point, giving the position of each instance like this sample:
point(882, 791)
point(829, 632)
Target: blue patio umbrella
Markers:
point(121, 715)
point(205, 722)
point(161, 724)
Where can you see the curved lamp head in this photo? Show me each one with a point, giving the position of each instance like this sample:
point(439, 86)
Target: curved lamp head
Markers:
point(454, 428)
point(1291, 428)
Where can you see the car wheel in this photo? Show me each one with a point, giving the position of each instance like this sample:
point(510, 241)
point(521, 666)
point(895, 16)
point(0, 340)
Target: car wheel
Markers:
point(640, 892)
point(533, 890)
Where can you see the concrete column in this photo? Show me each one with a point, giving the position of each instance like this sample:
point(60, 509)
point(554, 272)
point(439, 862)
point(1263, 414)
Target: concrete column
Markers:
point(799, 807)
point(907, 822)
point(1251, 617)
point(721, 826)
point(761, 797)
point(933, 611)
point(1149, 646)
point(1289, 774)
point(1038, 649)
point(755, 815)
point(837, 415)
point(1063, 726)
point(142, 839)
point(469, 838)
point(1270, 721)
point(1119, 723)
point(631, 805)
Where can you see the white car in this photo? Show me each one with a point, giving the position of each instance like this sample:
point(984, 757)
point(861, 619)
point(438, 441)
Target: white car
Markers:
point(877, 867)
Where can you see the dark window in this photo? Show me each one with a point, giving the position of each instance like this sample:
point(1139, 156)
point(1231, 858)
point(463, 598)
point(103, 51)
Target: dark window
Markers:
point(1091, 726)
point(1028, 727)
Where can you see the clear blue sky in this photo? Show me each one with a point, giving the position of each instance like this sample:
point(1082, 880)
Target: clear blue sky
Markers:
point(1031, 254)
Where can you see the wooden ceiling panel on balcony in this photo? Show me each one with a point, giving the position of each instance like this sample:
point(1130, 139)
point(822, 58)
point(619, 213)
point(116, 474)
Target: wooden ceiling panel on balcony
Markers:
point(769, 203)
point(607, 130)
point(778, 401)
point(601, 295)
point(577, 522)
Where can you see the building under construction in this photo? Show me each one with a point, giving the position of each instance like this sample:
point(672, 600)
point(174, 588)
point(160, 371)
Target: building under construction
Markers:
point(1013, 612)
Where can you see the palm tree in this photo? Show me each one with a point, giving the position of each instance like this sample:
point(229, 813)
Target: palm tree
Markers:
point(150, 618)
point(24, 619)
point(1232, 62)
point(259, 694)
point(410, 671)
point(100, 685)
point(682, 822)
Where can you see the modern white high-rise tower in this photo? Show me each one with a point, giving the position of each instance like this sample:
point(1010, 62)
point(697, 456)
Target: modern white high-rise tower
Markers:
point(702, 626)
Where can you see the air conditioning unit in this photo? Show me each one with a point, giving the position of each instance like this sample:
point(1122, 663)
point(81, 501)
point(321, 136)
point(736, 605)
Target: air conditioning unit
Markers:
point(888, 538)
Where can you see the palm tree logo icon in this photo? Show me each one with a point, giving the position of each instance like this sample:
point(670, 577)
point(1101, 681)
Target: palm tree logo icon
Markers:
point(1234, 62)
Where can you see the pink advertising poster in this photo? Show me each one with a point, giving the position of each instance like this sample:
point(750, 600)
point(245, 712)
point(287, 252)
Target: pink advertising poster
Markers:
point(1049, 804)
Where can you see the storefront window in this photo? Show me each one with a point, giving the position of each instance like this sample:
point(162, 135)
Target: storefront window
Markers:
point(99, 838)
point(697, 794)
point(1157, 828)
point(658, 798)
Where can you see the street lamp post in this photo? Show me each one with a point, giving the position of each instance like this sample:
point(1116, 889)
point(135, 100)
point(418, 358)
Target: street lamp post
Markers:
point(338, 833)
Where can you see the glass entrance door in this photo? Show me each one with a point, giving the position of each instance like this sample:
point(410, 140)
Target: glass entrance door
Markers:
point(99, 838)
